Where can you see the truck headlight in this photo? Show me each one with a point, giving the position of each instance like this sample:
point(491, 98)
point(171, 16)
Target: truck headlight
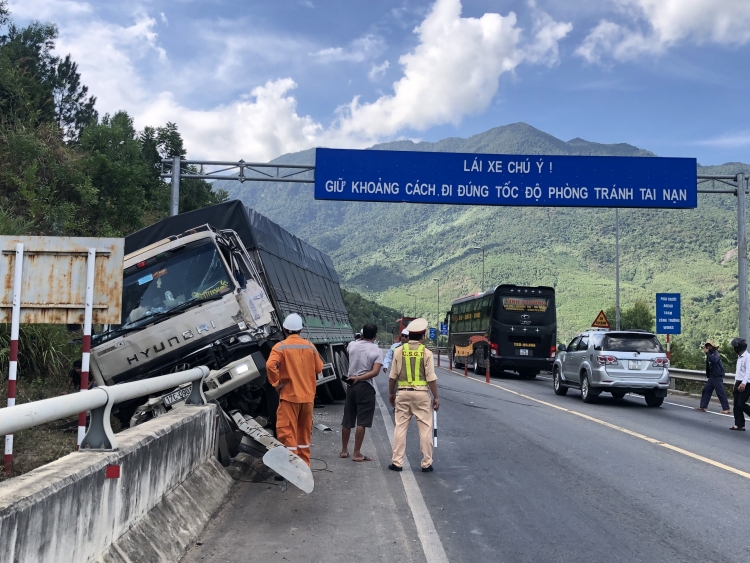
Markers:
point(242, 368)
point(244, 338)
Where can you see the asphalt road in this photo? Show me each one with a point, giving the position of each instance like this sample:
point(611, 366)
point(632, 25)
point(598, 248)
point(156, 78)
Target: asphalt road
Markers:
point(521, 475)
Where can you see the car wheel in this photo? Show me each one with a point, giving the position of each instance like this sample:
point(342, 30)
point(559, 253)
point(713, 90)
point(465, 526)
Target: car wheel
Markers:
point(653, 401)
point(618, 394)
point(560, 389)
point(587, 394)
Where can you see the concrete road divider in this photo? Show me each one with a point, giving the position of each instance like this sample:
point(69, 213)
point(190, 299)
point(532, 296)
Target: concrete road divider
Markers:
point(147, 501)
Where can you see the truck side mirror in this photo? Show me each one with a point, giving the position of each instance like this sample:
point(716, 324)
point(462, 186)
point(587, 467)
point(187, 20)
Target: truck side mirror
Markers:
point(561, 348)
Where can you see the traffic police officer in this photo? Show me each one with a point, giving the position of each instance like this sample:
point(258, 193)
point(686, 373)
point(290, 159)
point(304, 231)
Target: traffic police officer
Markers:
point(413, 373)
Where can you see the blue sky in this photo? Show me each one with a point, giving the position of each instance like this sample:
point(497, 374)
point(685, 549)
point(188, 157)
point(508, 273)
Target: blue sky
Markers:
point(256, 79)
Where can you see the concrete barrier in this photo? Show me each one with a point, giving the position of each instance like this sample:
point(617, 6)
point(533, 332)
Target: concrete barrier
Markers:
point(77, 509)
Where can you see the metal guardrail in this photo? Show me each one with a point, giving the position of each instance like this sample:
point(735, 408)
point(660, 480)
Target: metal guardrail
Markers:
point(99, 401)
point(697, 375)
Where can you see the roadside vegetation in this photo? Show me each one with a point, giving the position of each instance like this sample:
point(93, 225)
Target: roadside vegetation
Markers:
point(65, 170)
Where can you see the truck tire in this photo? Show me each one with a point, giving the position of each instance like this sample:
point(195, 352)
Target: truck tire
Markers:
point(337, 387)
point(323, 393)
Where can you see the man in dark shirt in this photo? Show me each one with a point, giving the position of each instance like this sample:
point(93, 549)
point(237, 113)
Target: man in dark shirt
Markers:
point(74, 377)
point(715, 373)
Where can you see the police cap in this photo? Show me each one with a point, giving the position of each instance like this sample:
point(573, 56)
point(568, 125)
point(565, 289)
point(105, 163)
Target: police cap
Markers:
point(417, 326)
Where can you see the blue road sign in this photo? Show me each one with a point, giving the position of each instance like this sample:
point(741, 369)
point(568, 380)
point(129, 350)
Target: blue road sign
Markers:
point(501, 179)
point(668, 314)
point(433, 333)
point(443, 328)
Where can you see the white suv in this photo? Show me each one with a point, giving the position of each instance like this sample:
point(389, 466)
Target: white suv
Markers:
point(616, 362)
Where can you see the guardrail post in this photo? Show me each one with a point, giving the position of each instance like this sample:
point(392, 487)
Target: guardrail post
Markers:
point(196, 397)
point(100, 436)
point(13, 353)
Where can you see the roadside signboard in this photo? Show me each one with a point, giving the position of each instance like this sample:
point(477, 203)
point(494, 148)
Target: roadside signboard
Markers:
point(443, 328)
point(501, 179)
point(668, 313)
point(53, 282)
point(433, 333)
point(601, 321)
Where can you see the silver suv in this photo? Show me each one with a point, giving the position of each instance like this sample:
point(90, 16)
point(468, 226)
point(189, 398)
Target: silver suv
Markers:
point(615, 362)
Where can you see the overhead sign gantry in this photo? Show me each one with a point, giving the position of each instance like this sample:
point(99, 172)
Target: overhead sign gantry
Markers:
point(500, 179)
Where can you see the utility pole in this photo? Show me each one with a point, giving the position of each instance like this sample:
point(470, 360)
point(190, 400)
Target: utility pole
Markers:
point(742, 255)
point(437, 325)
point(174, 207)
point(482, 249)
point(617, 268)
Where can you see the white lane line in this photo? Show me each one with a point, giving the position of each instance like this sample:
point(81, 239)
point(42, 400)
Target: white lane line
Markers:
point(428, 536)
point(707, 412)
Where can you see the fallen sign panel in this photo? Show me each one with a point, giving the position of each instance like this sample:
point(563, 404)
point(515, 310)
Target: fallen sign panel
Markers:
point(501, 179)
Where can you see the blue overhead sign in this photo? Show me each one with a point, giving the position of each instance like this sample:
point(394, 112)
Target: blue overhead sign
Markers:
point(443, 328)
point(501, 179)
point(668, 314)
point(433, 333)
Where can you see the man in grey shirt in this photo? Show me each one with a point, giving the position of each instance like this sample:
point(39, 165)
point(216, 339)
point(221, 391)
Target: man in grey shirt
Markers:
point(365, 360)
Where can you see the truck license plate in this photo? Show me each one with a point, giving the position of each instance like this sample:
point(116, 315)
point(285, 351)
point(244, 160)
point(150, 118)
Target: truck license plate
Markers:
point(634, 364)
point(524, 352)
point(177, 396)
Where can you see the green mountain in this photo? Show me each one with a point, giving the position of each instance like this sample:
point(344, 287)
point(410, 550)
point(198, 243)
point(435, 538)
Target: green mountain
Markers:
point(391, 252)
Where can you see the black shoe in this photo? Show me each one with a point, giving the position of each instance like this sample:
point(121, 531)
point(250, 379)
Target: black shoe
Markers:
point(427, 469)
point(393, 467)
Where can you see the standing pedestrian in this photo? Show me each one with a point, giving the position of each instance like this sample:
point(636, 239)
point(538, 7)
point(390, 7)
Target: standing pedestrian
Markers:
point(741, 384)
point(715, 373)
point(413, 373)
point(292, 370)
point(74, 377)
point(389, 356)
point(365, 360)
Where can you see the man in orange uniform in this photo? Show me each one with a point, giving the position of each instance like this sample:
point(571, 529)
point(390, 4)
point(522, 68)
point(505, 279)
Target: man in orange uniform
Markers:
point(292, 369)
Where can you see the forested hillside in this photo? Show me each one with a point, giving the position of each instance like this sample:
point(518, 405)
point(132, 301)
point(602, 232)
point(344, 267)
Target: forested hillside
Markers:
point(392, 252)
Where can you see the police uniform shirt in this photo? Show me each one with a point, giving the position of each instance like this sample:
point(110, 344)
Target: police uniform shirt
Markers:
point(428, 373)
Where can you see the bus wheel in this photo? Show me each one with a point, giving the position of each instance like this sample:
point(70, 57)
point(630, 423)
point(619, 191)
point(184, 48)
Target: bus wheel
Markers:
point(477, 369)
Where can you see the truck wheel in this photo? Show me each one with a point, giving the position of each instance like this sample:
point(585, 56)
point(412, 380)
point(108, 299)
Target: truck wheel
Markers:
point(324, 394)
point(337, 387)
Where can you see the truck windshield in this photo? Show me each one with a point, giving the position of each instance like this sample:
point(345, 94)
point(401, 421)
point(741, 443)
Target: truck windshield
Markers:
point(194, 272)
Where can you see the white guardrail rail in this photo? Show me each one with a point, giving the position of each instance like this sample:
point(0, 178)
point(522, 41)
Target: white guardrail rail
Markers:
point(99, 401)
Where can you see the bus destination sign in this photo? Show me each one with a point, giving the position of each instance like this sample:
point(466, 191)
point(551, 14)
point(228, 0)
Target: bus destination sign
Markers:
point(501, 179)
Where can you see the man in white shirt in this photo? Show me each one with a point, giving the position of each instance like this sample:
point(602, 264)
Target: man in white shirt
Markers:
point(741, 384)
point(389, 356)
point(365, 360)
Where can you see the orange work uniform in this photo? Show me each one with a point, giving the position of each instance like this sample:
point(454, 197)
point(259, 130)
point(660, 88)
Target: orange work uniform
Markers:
point(295, 362)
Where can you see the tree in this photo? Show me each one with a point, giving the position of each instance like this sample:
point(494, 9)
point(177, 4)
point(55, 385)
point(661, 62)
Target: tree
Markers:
point(73, 109)
point(639, 316)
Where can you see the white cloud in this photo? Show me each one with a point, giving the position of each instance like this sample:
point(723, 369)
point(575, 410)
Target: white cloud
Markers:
point(377, 71)
point(453, 72)
point(164, 19)
point(734, 140)
point(259, 127)
point(47, 9)
point(660, 24)
point(361, 49)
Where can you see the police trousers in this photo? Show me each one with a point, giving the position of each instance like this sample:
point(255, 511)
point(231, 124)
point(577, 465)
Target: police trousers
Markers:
point(294, 427)
point(419, 405)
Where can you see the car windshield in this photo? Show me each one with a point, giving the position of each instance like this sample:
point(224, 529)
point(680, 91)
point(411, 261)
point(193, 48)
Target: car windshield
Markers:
point(194, 272)
point(631, 343)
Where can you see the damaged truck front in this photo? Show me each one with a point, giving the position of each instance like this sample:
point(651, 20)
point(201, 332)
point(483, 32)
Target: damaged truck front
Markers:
point(211, 287)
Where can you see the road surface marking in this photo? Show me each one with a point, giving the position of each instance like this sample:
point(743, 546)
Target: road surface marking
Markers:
point(693, 408)
point(654, 441)
point(428, 536)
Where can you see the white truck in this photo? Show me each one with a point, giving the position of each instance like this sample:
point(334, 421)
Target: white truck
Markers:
point(211, 287)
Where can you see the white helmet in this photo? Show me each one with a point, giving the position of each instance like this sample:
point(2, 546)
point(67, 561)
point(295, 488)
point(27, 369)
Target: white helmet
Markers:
point(293, 322)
